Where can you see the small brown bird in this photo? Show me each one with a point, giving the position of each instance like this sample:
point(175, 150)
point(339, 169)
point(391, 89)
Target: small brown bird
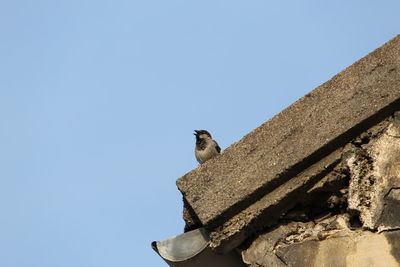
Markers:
point(206, 147)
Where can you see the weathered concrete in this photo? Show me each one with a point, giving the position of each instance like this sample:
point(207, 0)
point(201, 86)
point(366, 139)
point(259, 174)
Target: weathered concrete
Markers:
point(364, 191)
point(313, 127)
point(374, 190)
point(277, 244)
point(190, 218)
point(266, 211)
point(262, 251)
point(361, 249)
point(327, 243)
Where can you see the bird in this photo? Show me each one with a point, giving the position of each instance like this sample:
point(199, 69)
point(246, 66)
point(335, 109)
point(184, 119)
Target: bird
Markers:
point(206, 148)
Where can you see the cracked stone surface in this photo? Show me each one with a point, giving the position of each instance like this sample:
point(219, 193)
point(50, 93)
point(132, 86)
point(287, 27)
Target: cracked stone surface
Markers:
point(375, 179)
point(328, 243)
point(359, 215)
point(356, 249)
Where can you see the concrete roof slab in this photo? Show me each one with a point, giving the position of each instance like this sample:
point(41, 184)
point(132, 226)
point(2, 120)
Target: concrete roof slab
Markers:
point(311, 128)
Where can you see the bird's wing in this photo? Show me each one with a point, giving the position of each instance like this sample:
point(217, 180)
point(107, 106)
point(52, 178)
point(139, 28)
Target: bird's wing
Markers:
point(217, 147)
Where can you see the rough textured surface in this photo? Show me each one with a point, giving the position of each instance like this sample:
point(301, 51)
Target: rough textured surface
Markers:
point(328, 243)
point(294, 238)
point(266, 211)
point(374, 191)
point(360, 249)
point(359, 218)
point(190, 217)
point(317, 124)
point(363, 176)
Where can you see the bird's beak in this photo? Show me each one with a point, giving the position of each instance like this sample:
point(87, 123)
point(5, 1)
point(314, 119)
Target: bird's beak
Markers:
point(196, 132)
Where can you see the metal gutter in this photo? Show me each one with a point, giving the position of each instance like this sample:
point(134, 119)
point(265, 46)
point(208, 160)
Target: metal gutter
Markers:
point(191, 249)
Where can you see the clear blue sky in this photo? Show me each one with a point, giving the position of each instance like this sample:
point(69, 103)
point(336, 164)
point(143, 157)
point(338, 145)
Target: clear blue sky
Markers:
point(99, 99)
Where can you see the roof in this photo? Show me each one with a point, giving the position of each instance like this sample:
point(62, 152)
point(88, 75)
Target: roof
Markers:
point(258, 178)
